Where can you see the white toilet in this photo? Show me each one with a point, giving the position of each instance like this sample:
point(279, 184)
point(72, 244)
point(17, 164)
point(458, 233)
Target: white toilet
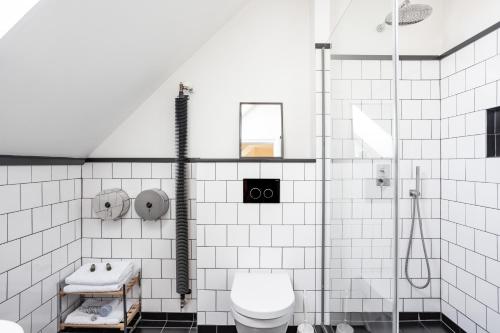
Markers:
point(10, 327)
point(262, 302)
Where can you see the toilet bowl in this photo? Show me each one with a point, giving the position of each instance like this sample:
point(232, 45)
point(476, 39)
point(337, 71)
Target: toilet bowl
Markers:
point(9, 326)
point(262, 302)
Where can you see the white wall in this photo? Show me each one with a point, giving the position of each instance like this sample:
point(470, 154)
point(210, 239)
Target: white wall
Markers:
point(464, 18)
point(262, 54)
point(72, 71)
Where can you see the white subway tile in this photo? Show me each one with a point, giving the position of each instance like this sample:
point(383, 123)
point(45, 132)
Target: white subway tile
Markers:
point(457, 83)
point(248, 213)
point(30, 299)
point(248, 257)
point(304, 191)
point(486, 47)
point(3, 175)
point(226, 213)
point(19, 279)
point(10, 197)
point(304, 235)
point(465, 57)
point(122, 170)
point(448, 65)
point(486, 194)
point(370, 69)
point(10, 254)
point(260, 235)
point(475, 311)
point(31, 247)
point(487, 294)
point(19, 224)
point(486, 96)
point(238, 235)
point(271, 170)
point(411, 70)
point(270, 257)
point(475, 76)
point(19, 174)
point(293, 213)
point(226, 257)
point(215, 235)
point(215, 191)
point(351, 69)
point(486, 244)
point(282, 235)
point(476, 264)
point(162, 170)
point(226, 171)
point(102, 170)
point(248, 170)
point(42, 218)
point(141, 170)
point(41, 173)
point(421, 89)
point(293, 258)
point(493, 69)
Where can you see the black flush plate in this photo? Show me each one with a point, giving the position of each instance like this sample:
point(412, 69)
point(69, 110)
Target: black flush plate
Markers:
point(261, 190)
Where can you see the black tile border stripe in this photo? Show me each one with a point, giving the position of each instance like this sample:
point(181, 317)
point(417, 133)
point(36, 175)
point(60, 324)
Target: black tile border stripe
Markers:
point(39, 160)
point(47, 160)
point(322, 46)
point(471, 40)
point(383, 57)
point(201, 160)
point(419, 57)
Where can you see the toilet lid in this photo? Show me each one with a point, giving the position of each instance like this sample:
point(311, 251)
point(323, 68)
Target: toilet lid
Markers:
point(262, 295)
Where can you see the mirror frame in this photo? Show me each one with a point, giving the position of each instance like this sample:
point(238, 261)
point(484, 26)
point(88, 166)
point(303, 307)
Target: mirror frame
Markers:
point(282, 136)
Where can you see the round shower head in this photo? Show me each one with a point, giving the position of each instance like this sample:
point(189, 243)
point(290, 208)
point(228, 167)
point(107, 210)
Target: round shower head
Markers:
point(410, 13)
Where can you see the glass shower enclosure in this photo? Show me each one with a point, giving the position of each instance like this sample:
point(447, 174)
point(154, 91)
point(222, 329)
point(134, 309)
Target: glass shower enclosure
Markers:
point(364, 225)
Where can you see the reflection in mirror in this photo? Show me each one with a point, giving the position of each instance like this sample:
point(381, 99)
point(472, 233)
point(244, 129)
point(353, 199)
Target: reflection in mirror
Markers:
point(261, 130)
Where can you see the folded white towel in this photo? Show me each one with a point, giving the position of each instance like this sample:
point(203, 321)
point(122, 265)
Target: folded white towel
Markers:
point(119, 270)
point(79, 317)
point(85, 288)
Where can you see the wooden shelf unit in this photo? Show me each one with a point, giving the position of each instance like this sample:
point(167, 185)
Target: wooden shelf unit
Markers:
point(122, 293)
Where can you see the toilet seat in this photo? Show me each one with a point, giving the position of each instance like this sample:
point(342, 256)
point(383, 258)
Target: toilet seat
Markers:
point(262, 297)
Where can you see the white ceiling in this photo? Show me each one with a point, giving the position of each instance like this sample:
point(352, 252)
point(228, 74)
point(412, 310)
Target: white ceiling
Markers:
point(71, 71)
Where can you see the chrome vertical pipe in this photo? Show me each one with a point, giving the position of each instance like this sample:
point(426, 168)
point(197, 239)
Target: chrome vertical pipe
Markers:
point(395, 135)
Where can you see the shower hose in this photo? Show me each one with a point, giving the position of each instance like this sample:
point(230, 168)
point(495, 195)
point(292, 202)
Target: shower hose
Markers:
point(414, 213)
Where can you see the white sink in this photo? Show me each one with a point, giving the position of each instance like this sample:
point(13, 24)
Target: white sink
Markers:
point(9, 326)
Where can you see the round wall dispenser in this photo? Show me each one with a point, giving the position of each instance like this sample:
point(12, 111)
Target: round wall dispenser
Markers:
point(151, 204)
point(111, 204)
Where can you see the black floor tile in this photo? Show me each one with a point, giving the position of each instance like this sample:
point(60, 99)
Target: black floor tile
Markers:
point(412, 327)
point(186, 316)
point(154, 315)
point(179, 330)
point(179, 324)
point(226, 329)
point(436, 327)
point(151, 323)
point(207, 329)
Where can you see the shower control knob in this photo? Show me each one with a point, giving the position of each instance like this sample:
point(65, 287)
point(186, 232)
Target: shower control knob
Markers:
point(107, 204)
point(255, 193)
point(268, 193)
point(149, 205)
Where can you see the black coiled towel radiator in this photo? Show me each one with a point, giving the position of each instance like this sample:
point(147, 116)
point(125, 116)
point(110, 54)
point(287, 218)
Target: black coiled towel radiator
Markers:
point(181, 206)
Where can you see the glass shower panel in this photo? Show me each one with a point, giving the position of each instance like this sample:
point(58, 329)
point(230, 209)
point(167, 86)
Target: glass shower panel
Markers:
point(361, 264)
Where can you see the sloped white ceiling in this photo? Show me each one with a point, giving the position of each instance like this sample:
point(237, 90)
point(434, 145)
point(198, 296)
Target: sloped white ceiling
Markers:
point(73, 70)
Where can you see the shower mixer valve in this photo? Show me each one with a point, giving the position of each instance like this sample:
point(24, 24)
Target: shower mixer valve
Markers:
point(383, 175)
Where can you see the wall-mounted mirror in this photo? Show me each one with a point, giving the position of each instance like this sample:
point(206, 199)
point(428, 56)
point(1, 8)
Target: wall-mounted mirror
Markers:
point(261, 130)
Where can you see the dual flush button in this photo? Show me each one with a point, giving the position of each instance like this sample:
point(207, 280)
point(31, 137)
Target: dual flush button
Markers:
point(261, 190)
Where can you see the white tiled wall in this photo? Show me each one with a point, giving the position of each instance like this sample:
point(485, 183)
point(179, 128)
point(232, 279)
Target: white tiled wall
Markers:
point(470, 208)
point(40, 241)
point(150, 244)
point(233, 236)
point(362, 226)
